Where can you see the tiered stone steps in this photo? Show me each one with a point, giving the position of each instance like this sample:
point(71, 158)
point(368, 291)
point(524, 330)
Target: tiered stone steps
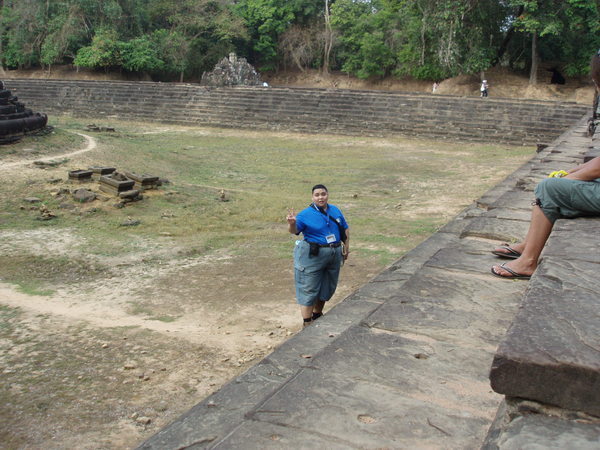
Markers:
point(308, 110)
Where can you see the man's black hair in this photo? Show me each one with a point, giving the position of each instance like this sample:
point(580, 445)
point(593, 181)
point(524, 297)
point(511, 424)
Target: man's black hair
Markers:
point(319, 186)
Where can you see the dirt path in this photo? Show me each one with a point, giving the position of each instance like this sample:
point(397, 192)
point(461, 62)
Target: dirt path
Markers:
point(90, 145)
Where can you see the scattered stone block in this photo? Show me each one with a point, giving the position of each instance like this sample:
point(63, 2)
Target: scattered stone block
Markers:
point(99, 171)
point(46, 164)
point(84, 196)
point(130, 223)
point(143, 181)
point(45, 213)
point(115, 183)
point(31, 200)
point(131, 194)
point(80, 175)
point(94, 127)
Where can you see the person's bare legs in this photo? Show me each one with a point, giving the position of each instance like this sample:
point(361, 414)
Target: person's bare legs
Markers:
point(308, 311)
point(318, 307)
point(531, 248)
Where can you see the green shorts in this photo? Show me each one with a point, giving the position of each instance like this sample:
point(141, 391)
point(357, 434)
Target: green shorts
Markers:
point(565, 198)
point(316, 277)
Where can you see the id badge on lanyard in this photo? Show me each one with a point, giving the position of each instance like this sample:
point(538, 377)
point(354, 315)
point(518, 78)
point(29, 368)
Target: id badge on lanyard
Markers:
point(330, 238)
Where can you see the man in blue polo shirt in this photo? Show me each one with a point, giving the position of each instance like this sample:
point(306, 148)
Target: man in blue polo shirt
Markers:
point(318, 258)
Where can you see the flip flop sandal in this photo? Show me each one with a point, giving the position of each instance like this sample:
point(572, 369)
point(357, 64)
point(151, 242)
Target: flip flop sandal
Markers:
point(513, 275)
point(509, 253)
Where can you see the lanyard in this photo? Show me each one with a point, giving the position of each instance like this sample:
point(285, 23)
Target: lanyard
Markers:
point(341, 230)
point(324, 213)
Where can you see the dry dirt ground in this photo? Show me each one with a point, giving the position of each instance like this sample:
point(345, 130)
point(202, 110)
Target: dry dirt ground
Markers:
point(502, 83)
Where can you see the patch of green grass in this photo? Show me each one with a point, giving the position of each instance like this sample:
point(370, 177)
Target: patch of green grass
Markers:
point(383, 257)
point(7, 317)
point(54, 143)
point(167, 319)
point(262, 175)
point(32, 289)
point(138, 309)
point(150, 313)
point(34, 274)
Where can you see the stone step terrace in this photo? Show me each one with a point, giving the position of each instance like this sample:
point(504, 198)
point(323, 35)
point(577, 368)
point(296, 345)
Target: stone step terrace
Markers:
point(307, 110)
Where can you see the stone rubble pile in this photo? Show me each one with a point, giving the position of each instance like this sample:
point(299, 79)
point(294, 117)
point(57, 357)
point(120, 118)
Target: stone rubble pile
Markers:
point(232, 71)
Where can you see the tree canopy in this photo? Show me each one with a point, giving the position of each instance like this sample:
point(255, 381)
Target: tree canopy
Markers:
point(179, 39)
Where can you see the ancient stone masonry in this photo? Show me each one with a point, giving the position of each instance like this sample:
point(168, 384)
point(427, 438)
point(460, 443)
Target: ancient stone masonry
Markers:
point(335, 111)
point(15, 119)
point(143, 181)
point(128, 186)
point(232, 71)
point(80, 175)
point(115, 183)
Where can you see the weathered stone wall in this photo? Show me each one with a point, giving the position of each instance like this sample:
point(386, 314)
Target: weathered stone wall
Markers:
point(307, 110)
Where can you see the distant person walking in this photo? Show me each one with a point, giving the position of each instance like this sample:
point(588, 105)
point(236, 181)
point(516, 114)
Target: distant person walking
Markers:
point(484, 88)
point(436, 85)
point(319, 256)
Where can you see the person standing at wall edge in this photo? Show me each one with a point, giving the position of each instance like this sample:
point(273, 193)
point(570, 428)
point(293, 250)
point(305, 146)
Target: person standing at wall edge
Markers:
point(319, 256)
point(484, 88)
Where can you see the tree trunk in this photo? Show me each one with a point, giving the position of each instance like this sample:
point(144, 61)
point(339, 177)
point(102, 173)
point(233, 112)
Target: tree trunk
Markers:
point(509, 34)
point(298, 63)
point(181, 76)
point(534, 60)
point(1, 48)
point(328, 39)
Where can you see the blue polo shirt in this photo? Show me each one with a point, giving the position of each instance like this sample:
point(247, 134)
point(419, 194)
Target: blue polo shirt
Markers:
point(316, 226)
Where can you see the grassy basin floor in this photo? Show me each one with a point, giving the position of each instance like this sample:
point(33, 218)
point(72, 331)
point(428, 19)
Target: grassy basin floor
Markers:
point(110, 331)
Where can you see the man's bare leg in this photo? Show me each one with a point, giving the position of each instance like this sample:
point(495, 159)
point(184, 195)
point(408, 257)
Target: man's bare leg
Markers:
point(531, 248)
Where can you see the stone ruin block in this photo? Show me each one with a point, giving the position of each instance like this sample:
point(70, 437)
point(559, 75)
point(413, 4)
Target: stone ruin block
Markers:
point(98, 171)
point(94, 127)
point(133, 195)
point(115, 183)
point(143, 182)
point(80, 175)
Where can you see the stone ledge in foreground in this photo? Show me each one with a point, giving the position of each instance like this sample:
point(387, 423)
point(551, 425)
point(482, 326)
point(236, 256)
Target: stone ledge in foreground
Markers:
point(535, 430)
point(551, 353)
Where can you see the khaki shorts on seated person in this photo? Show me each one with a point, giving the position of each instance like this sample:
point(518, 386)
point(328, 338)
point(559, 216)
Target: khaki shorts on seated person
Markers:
point(565, 198)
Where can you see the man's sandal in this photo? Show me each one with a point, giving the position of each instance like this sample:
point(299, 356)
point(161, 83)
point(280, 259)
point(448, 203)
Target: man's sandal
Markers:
point(513, 275)
point(507, 252)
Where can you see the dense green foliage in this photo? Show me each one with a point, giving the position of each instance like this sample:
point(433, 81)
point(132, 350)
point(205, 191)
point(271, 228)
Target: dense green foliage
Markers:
point(426, 39)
